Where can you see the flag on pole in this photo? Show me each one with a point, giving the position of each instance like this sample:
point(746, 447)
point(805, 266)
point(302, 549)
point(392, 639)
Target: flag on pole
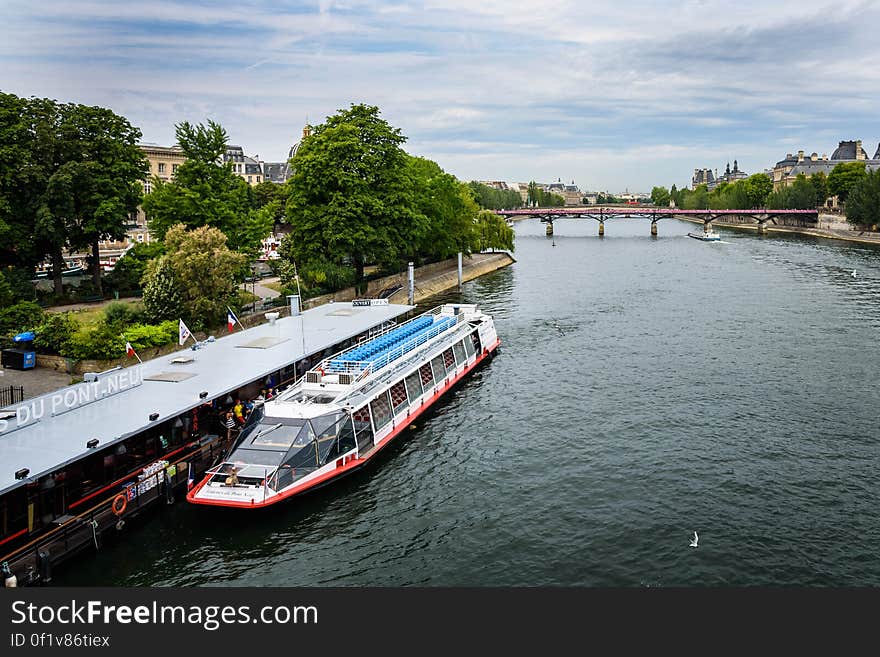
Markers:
point(129, 351)
point(231, 319)
point(184, 333)
point(190, 480)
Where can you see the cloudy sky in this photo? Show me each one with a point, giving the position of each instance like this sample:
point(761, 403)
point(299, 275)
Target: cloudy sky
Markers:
point(613, 94)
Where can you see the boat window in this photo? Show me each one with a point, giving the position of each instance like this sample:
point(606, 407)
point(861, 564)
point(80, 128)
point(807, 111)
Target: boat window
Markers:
point(381, 409)
point(458, 350)
point(399, 401)
point(449, 359)
point(336, 440)
point(438, 368)
point(475, 338)
point(277, 435)
point(426, 375)
point(413, 387)
point(469, 346)
point(303, 453)
point(362, 427)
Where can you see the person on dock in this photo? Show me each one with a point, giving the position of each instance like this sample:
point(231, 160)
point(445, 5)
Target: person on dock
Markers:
point(229, 423)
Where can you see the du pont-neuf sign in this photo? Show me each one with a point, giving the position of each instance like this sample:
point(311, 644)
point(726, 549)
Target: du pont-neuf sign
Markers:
point(67, 399)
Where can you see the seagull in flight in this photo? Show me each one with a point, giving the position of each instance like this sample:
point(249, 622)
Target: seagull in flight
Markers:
point(694, 540)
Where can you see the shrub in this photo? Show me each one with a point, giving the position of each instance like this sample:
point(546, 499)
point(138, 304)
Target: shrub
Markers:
point(120, 314)
point(22, 316)
point(161, 291)
point(55, 331)
point(142, 336)
point(101, 342)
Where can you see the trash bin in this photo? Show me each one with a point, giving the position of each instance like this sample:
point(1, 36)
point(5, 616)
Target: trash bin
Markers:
point(22, 356)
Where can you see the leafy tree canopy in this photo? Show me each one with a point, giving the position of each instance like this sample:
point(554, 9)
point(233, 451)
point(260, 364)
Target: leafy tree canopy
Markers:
point(351, 194)
point(863, 203)
point(844, 177)
point(205, 192)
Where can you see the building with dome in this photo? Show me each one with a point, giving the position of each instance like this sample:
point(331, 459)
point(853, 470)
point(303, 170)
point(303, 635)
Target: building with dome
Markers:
point(280, 172)
point(786, 171)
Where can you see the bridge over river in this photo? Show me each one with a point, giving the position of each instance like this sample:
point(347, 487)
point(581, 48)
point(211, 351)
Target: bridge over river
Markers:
point(761, 216)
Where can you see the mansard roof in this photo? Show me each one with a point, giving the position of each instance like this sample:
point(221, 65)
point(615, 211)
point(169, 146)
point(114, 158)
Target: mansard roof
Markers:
point(846, 150)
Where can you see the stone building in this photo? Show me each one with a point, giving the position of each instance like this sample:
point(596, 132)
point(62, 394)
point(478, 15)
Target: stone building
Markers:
point(280, 172)
point(786, 171)
point(248, 168)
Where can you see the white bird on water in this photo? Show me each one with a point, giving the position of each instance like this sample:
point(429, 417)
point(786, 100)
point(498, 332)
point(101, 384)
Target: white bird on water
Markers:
point(854, 273)
point(694, 540)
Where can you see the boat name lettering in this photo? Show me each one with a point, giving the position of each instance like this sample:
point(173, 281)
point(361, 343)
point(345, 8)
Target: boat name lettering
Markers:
point(68, 399)
point(369, 302)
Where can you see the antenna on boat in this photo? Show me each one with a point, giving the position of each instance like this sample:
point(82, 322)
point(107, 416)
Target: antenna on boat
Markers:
point(302, 330)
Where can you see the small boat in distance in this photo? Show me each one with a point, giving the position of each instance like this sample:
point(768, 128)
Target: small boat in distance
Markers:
point(706, 236)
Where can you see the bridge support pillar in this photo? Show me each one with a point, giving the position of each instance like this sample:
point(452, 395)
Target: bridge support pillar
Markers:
point(549, 228)
point(762, 228)
point(654, 228)
point(601, 229)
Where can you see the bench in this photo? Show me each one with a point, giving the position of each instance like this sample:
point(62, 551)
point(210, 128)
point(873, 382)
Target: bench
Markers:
point(92, 297)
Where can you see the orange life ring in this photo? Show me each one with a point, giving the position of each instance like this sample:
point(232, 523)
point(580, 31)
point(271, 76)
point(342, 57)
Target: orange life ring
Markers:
point(119, 509)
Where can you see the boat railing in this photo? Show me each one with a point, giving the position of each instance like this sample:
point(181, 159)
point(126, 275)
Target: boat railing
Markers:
point(363, 368)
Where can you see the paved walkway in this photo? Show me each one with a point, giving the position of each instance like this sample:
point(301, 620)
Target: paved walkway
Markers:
point(35, 382)
point(259, 288)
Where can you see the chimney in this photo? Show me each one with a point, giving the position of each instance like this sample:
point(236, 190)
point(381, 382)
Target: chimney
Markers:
point(825, 156)
point(814, 157)
point(859, 153)
point(800, 156)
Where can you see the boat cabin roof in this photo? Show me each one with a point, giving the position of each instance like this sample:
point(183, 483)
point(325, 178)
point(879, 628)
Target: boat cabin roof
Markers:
point(45, 433)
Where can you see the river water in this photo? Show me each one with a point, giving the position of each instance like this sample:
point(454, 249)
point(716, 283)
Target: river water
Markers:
point(646, 388)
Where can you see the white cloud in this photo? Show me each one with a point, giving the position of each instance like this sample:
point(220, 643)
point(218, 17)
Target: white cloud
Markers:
point(620, 93)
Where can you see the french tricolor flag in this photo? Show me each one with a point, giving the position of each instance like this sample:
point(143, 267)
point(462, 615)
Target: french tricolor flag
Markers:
point(231, 319)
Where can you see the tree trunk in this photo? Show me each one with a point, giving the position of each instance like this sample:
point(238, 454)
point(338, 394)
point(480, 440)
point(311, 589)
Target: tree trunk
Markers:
point(358, 269)
point(57, 268)
point(96, 266)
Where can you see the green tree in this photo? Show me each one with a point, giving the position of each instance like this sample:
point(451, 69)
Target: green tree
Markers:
point(449, 208)
point(493, 232)
point(698, 199)
point(99, 186)
point(207, 193)
point(757, 188)
point(206, 271)
point(129, 269)
point(863, 204)
point(819, 181)
point(844, 177)
point(800, 195)
point(161, 291)
point(351, 194)
point(660, 196)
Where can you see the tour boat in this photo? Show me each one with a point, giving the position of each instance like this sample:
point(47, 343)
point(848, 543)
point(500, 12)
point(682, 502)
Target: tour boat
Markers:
point(706, 236)
point(346, 409)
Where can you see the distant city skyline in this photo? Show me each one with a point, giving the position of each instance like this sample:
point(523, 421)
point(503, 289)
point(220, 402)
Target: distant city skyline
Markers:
point(613, 95)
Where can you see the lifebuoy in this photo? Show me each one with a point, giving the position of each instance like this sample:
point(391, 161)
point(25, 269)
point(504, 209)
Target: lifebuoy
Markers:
point(321, 370)
point(119, 504)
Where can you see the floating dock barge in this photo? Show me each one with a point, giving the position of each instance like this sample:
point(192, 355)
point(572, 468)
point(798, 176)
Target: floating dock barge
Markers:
point(77, 463)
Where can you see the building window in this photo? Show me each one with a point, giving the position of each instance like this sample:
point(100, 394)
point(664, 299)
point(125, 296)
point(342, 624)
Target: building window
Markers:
point(250, 179)
point(161, 167)
point(140, 237)
point(174, 168)
point(148, 187)
point(258, 179)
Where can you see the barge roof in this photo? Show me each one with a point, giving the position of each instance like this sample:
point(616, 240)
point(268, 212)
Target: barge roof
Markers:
point(172, 388)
